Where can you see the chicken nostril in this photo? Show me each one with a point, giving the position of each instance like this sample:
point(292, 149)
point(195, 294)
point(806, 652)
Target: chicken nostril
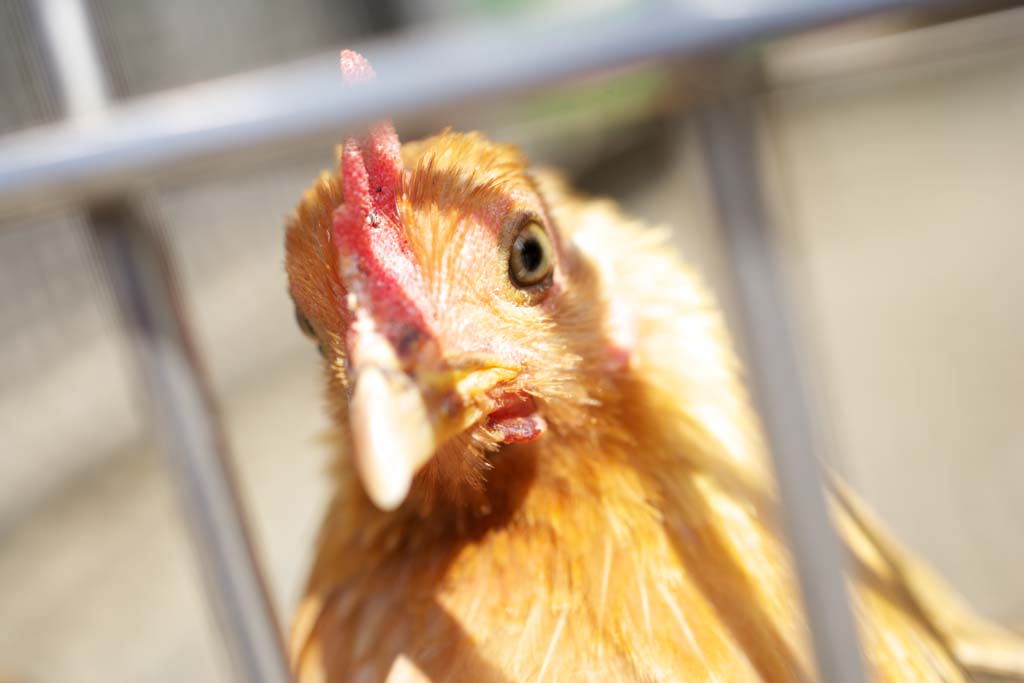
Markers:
point(408, 340)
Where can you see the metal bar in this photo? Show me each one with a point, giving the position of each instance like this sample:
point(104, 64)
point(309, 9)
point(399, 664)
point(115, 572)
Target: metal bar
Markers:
point(180, 401)
point(69, 41)
point(186, 422)
point(426, 69)
point(891, 56)
point(728, 131)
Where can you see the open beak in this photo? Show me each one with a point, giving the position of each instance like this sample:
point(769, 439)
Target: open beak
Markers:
point(398, 420)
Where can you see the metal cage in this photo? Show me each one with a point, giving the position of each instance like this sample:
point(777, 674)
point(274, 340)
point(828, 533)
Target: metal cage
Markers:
point(102, 154)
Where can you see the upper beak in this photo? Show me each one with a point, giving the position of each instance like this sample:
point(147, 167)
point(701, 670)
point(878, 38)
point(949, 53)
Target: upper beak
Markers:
point(398, 420)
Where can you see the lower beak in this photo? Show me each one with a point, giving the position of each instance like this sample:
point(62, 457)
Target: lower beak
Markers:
point(399, 421)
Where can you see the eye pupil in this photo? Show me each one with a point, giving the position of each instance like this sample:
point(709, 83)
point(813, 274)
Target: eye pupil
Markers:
point(532, 254)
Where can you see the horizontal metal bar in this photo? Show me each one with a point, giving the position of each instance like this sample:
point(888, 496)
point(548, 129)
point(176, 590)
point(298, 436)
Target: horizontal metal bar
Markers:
point(728, 132)
point(893, 55)
point(144, 139)
point(186, 421)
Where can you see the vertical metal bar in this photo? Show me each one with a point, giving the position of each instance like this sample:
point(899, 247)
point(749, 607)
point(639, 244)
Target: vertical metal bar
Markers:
point(69, 41)
point(179, 399)
point(728, 131)
point(186, 420)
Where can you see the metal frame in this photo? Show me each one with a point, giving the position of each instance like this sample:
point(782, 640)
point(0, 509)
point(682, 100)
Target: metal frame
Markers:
point(728, 130)
point(104, 154)
point(184, 414)
point(123, 145)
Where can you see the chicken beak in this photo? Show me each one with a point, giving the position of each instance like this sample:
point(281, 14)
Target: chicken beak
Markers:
point(398, 420)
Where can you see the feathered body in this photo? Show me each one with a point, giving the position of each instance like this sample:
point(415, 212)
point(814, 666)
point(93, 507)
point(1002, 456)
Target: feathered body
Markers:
point(637, 538)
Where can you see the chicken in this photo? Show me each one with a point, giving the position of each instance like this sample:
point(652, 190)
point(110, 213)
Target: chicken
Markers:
point(548, 468)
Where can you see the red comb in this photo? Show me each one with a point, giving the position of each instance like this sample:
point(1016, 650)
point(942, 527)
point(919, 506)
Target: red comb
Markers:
point(355, 68)
point(377, 265)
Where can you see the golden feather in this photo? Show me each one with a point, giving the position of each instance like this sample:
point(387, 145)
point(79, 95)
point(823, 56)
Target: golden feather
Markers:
point(638, 540)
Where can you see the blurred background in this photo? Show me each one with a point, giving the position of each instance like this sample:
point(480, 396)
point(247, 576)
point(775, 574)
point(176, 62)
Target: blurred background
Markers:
point(894, 154)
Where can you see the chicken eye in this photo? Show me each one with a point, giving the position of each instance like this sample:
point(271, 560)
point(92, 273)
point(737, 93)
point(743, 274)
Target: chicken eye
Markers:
point(530, 261)
point(303, 322)
point(307, 329)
